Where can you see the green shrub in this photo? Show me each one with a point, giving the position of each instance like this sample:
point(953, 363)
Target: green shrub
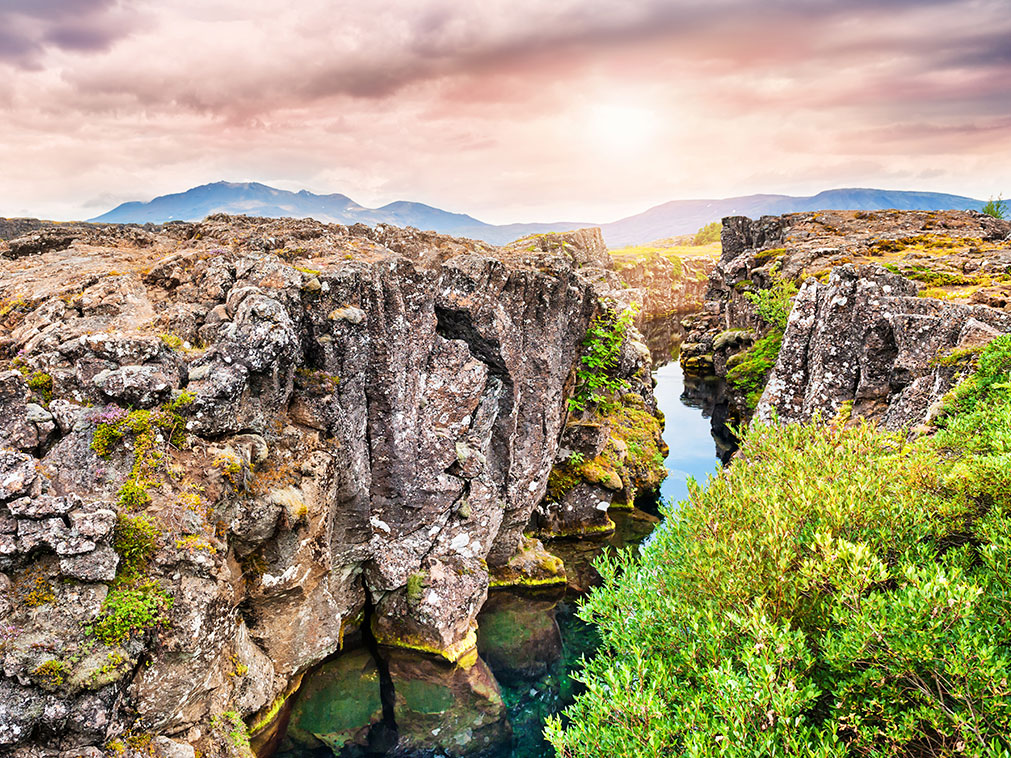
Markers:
point(834, 592)
point(750, 373)
point(995, 207)
point(601, 354)
point(774, 303)
point(135, 539)
point(131, 609)
point(708, 234)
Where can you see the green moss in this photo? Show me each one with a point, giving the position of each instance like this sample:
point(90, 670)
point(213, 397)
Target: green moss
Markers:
point(960, 358)
point(41, 384)
point(171, 341)
point(268, 716)
point(934, 278)
point(562, 480)
point(51, 674)
point(934, 242)
point(425, 697)
point(453, 653)
point(520, 580)
point(768, 255)
point(752, 371)
point(415, 587)
point(583, 530)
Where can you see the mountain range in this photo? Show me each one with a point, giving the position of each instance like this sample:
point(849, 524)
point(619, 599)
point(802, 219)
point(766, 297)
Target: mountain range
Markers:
point(666, 220)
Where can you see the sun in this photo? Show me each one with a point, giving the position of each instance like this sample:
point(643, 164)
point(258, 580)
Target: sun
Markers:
point(621, 129)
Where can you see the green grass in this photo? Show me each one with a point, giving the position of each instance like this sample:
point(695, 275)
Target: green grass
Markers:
point(626, 257)
point(834, 592)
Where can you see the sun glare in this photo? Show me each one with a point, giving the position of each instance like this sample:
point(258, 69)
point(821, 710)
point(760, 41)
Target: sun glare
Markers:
point(621, 128)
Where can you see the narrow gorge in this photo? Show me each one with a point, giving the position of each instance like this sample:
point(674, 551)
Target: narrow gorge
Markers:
point(276, 485)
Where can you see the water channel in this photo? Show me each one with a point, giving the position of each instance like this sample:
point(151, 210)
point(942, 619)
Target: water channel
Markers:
point(530, 643)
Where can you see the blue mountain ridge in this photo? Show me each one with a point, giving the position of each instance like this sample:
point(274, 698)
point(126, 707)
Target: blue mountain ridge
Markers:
point(665, 220)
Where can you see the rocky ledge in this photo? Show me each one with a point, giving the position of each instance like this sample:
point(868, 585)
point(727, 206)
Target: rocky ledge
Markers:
point(227, 447)
point(887, 308)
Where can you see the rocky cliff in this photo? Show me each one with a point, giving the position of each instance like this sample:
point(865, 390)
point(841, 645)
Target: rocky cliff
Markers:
point(891, 305)
point(229, 446)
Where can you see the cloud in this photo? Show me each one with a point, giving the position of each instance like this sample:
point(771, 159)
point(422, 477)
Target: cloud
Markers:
point(257, 61)
point(31, 28)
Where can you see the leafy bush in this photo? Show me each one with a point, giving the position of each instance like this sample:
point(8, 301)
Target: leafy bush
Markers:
point(135, 540)
point(774, 303)
point(131, 609)
point(996, 208)
point(708, 234)
point(750, 372)
point(601, 354)
point(834, 592)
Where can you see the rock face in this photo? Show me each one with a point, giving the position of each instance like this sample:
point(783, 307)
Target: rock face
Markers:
point(228, 445)
point(669, 289)
point(866, 340)
point(882, 294)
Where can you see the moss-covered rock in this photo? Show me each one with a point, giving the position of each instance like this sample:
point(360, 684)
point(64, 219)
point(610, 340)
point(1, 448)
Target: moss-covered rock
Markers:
point(455, 709)
point(531, 566)
point(338, 703)
point(518, 636)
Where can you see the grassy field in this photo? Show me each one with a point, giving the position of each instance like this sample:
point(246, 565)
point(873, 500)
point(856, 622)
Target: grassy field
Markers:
point(629, 256)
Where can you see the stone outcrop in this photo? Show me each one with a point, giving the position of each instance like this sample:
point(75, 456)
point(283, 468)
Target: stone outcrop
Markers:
point(864, 340)
point(873, 285)
point(229, 445)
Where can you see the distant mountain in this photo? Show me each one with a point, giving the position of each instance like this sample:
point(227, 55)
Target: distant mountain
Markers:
point(676, 217)
point(686, 216)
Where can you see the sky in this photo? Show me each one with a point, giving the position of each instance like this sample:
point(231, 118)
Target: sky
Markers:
point(510, 110)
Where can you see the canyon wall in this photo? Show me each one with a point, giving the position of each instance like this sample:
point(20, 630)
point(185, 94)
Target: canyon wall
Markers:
point(228, 446)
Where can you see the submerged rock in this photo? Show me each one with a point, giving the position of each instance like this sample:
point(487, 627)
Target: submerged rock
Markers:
point(518, 635)
point(338, 703)
point(453, 709)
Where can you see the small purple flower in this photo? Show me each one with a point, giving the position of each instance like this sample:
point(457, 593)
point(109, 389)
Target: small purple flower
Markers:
point(110, 414)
